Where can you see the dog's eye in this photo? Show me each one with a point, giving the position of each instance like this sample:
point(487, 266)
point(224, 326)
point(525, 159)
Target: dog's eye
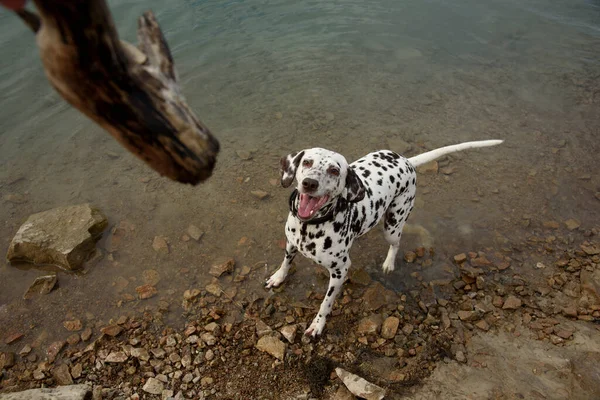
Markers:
point(334, 171)
point(307, 163)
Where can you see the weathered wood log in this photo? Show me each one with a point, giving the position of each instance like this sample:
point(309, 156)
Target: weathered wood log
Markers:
point(131, 92)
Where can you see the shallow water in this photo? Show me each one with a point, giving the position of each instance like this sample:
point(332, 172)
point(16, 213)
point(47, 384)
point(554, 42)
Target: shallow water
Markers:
point(278, 76)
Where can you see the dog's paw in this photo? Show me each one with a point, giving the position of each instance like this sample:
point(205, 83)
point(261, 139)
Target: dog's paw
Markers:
point(276, 279)
point(316, 328)
point(388, 266)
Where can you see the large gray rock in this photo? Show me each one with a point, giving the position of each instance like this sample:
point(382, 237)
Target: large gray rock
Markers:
point(72, 392)
point(63, 236)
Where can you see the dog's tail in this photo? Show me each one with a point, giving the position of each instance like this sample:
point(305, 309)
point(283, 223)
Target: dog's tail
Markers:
point(442, 151)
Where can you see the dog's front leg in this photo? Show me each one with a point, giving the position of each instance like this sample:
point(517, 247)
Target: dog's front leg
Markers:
point(279, 276)
point(337, 276)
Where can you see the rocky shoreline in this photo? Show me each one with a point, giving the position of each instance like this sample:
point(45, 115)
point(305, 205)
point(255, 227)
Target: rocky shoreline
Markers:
point(253, 347)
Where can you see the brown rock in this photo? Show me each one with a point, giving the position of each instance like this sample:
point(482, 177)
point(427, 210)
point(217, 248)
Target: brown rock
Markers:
point(153, 386)
point(551, 224)
point(195, 232)
point(24, 351)
point(245, 154)
point(390, 327)
point(73, 339)
point(41, 286)
point(76, 371)
point(259, 194)
point(369, 325)
point(7, 360)
point(86, 334)
point(272, 346)
point(572, 224)
point(54, 349)
point(467, 315)
point(111, 330)
point(360, 277)
point(160, 245)
point(150, 277)
point(483, 325)
point(61, 375)
point(563, 332)
point(512, 303)
point(396, 376)
point(498, 301)
point(470, 272)
point(289, 332)
point(13, 338)
point(116, 357)
point(590, 249)
point(590, 284)
point(460, 258)
point(220, 269)
point(262, 328)
point(503, 265)
point(191, 294)
point(481, 261)
point(410, 256)
point(429, 168)
point(376, 296)
point(447, 170)
point(73, 325)
point(408, 329)
point(214, 289)
point(146, 291)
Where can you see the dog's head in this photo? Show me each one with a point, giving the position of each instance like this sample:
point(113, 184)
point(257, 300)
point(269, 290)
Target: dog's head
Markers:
point(322, 175)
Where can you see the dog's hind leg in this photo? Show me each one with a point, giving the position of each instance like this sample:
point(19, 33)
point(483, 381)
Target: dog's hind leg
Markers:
point(279, 276)
point(395, 218)
point(337, 276)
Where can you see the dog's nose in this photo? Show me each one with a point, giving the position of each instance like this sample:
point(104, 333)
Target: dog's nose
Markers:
point(310, 185)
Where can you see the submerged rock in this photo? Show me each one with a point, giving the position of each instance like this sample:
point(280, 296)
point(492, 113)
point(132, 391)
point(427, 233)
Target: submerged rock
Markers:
point(64, 236)
point(42, 285)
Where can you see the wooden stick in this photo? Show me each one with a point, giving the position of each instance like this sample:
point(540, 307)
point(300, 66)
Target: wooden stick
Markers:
point(131, 92)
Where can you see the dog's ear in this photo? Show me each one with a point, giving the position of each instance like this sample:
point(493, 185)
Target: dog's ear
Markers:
point(354, 186)
point(288, 166)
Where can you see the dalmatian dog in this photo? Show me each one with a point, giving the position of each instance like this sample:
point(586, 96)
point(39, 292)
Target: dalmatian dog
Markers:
point(335, 202)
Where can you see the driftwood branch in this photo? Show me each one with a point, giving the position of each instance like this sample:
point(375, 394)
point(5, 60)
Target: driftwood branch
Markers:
point(132, 92)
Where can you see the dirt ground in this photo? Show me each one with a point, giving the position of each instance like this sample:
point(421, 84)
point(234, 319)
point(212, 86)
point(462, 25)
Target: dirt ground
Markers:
point(487, 332)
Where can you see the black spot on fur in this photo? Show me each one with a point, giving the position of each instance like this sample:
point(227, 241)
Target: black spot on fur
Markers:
point(337, 226)
point(327, 243)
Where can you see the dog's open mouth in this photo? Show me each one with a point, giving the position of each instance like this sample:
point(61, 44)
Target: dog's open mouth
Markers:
point(309, 205)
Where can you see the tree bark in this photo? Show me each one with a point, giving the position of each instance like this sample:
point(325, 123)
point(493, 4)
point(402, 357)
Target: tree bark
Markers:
point(132, 92)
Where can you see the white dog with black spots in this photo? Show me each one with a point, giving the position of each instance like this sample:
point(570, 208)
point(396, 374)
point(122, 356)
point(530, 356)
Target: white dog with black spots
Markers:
point(336, 202)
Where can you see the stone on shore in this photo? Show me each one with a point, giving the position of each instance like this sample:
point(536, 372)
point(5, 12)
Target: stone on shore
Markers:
point(63, 236)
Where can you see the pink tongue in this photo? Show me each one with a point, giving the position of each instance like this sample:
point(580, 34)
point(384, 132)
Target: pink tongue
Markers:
point(309, 205)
